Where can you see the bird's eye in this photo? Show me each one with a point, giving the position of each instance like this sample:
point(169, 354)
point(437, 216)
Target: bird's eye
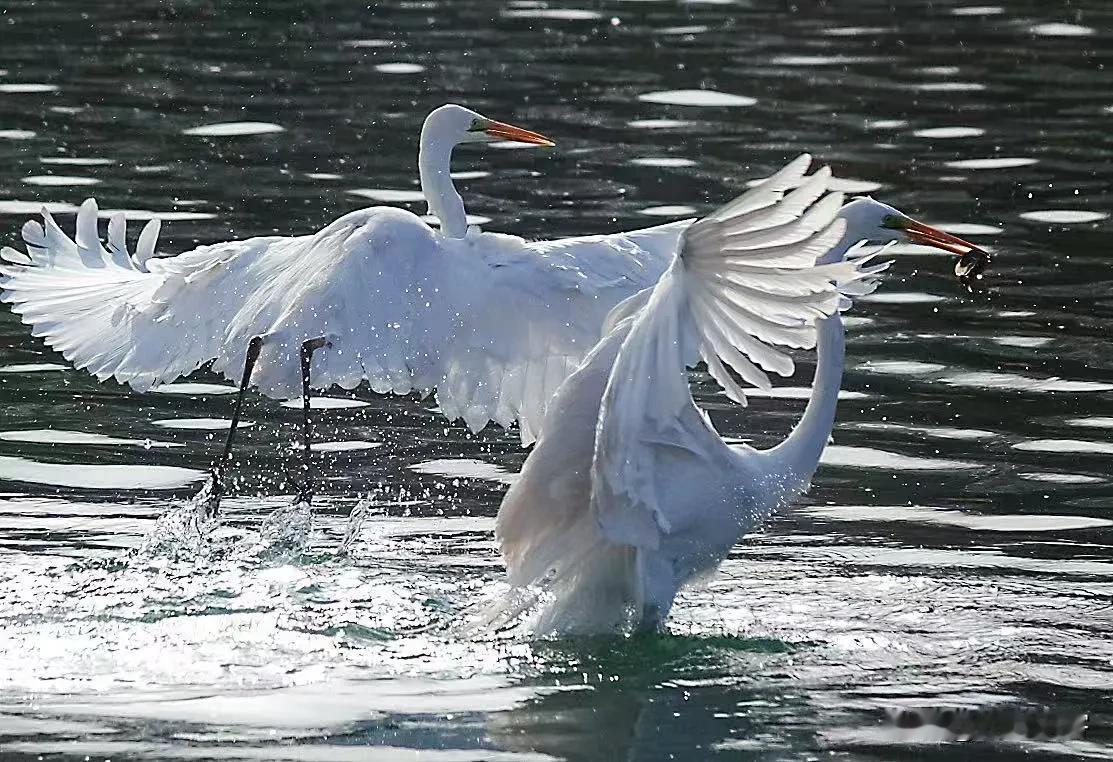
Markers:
point(891, 221)
point(476, 125)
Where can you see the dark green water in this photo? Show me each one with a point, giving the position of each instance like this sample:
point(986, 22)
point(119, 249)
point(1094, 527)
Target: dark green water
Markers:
point(955, 550)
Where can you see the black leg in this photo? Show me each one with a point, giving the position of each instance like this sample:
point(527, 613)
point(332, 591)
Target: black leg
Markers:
point(305, 492)
point(217, 471)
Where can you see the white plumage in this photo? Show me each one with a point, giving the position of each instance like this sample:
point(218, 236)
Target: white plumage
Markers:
point(630, 492)
point(492, 323)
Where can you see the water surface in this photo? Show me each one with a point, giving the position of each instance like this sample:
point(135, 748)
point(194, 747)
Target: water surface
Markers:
point(953, 554)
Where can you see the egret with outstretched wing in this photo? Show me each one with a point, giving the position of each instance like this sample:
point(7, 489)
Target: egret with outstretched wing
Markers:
point(491, 323)
point(630, 492)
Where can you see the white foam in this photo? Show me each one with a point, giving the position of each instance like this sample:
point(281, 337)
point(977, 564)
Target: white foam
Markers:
point(33, 367)
point(62, 436)
point(943, 71)
point(1003, 162)
point(231, 129)
point(326, 403)
point(1059, 478)
point(663, 161)
point(658, 124)
point(345, 446)
point(949, 87)
point(186, 387)
point(835, 60)
point(149, 214)
point(697, 98)
point(470, 174)
point(1092, 422)
point(669, 210)
point(26, 87)
point(1065, 446)
point(886, 124)
point(75, 161)
point(368, 43)
point(14, 206)
point(1057, 29)
point(940, 432)
point(969, 228)
point(901, 367)
point(985, 523)
point(468, 468)
point(389, 195)
point(856, 31)
point(869, 457)
point(16, 134)
point(1022, 342)
point(556, 14)
point(901, 297)
point(1064, 216)
point(52, 181)
point(798, 393)
point(399, 67)
point(94, 476)
point(1016, 382)
point(947, 133)
point(200, 424)
point(692, 29)
point(978, 10)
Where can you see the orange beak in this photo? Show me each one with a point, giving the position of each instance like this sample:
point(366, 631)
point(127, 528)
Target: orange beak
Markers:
point(972, 260)
point(504, 131)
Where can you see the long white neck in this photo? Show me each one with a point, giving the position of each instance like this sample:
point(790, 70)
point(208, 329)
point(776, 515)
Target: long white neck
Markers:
point(434, 161)
point(797, 457)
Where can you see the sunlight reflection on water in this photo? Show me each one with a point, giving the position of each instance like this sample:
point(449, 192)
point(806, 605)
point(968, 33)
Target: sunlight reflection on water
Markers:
point(954, 548)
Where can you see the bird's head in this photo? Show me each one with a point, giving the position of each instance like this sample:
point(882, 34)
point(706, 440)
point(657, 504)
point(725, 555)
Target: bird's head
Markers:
point(462, 125)
point(877, 223)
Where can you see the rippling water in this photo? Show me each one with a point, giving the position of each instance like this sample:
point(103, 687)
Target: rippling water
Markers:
point(949, 576)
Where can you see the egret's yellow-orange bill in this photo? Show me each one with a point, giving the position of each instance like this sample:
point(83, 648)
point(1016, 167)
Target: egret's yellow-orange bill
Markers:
point(972, 259)
point(510, 132)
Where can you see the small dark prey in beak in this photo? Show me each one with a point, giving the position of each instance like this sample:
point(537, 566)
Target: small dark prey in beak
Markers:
point(972, 261)
point(969, 268)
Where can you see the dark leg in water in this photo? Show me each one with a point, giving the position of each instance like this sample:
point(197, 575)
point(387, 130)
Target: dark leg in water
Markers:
point(305, 491)
point(217, 471)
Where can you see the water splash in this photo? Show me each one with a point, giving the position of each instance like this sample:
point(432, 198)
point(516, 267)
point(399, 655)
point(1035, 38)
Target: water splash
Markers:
point(185, 531)
point(356, 519)
point(284, 536)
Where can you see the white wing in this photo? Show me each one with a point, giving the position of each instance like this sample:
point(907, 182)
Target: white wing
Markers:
point(137, 319)
point(743, 284)
point(367, 281)
point(537, 311)
point(492, 323)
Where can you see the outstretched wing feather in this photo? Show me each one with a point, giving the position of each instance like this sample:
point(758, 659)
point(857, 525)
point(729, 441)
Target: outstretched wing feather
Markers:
point(743, 285)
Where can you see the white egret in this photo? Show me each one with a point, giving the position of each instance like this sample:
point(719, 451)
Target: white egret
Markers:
point(491, 323)
point(630, 492)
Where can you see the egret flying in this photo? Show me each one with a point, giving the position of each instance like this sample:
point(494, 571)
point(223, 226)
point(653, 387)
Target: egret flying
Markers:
point(630, 492)
point(491, 323)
